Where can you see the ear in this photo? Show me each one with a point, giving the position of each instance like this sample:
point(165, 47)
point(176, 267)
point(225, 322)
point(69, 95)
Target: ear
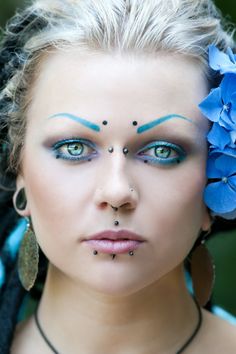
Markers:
point(21, 185)
point(206, 220)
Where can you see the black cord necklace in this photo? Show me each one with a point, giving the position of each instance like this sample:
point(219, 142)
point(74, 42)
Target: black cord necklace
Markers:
point(186, 344)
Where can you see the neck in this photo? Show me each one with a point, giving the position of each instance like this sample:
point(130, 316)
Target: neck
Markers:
point(155, 313)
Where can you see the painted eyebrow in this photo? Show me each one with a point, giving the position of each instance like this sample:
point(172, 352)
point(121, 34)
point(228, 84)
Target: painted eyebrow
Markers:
point(80, 120)
point(143, 128)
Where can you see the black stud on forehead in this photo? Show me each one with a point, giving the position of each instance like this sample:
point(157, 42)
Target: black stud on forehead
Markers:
point(105, 122)
point(135, 123)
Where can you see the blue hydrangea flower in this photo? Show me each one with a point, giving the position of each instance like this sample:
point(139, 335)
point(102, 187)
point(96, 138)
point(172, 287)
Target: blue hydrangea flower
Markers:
point(220, 61)
point(220, 105)
point(220, 195)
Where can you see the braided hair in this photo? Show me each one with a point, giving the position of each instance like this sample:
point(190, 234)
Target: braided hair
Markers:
point(93, 25)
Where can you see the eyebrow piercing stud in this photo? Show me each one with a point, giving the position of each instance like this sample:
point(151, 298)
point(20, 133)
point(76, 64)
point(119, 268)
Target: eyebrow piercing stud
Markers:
point(116, 223)
point(105, 122)
point(135, 123)
point(110, 149)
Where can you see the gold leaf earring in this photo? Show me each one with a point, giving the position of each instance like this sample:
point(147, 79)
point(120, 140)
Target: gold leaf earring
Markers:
point(28, 258)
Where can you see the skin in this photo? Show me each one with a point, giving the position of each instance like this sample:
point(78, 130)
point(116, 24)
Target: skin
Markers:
point(67, 201)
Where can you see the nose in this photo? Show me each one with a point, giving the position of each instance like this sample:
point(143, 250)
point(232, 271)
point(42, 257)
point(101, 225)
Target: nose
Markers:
point(116, 190)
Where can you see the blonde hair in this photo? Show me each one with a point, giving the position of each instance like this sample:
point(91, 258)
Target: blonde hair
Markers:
point(139, 26)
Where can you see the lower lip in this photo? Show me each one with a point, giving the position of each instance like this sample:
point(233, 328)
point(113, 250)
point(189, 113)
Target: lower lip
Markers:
point(113, 246)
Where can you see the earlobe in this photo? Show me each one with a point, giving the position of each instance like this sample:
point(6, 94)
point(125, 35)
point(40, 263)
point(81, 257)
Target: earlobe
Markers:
point(207, 221)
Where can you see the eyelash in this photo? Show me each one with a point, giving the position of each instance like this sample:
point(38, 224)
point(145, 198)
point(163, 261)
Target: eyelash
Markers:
point(161, 146)
point(68, 143)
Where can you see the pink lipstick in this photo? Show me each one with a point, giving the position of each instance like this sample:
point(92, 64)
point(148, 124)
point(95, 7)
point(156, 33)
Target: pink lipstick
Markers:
point(114, 242)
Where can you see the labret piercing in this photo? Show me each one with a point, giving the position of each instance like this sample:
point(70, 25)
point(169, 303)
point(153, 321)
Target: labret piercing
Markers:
point(131, 253)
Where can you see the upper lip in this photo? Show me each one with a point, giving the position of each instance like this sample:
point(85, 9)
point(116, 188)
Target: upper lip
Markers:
point(116, 235)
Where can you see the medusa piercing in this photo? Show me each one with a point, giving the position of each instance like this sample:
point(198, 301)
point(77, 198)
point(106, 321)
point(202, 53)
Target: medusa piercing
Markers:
point(95, 252)
point(116, 223)
point(131, 253)
point(110, 149)
point(125, 151)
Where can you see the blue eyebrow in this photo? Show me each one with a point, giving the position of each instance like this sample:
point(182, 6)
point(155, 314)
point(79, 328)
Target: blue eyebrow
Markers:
point(82, 121)
point(152, 124)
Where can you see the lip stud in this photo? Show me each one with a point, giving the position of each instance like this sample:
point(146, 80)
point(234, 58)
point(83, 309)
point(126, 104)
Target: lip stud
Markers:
point(110, 149)
point(125, 151)
point(116, 223)
point(131, 253)
point(95, 252)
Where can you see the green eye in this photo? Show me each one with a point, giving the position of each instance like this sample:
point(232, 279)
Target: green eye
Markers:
point(75, 149)
point(162, 151)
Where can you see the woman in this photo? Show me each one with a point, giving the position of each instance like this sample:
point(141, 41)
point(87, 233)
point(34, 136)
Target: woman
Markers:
point(105, 149)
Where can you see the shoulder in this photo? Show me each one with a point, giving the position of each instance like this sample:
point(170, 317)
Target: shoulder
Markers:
point(217, 335)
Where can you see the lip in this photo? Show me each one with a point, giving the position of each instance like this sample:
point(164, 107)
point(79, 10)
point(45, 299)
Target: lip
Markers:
point(114, 242)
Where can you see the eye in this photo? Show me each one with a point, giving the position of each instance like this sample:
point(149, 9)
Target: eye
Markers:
point(74, 149)
point(162, 152)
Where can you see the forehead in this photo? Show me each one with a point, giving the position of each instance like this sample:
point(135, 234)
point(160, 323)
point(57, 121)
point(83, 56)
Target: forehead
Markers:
point(113, 86)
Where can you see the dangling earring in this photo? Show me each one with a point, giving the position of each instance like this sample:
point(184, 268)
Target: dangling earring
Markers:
point(202, 270)
point(28, 257)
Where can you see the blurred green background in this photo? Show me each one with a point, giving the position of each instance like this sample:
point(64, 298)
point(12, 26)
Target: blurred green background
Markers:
point(222, 245)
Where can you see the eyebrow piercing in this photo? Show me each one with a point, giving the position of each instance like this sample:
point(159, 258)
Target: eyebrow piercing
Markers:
point(95, 252)
point(105, 122)
point(110, 149)
point(125, 151)
point(135, 123)
point(116, 223)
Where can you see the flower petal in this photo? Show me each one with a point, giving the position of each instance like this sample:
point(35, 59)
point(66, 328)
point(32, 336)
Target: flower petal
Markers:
point(226, 164)
point(228, 216)
point(220, 197)
point(228, 87)
point(211, 106)
point(217, 59)
point(218, 136)
point(211, 170)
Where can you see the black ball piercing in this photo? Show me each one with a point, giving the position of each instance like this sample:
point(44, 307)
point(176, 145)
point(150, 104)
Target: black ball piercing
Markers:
point(110, 149)
point(113, 256)
point(95, 252)
point(131, 253)
point(114, 208)
point(116, 223)
point(105, 122)
point(135, 123)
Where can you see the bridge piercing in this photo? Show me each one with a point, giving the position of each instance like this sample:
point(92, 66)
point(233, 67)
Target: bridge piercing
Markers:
point(125, 151)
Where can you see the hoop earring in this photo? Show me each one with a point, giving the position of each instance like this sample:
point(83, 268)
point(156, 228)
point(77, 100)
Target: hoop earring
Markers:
point(202, 271)
point(28, 258)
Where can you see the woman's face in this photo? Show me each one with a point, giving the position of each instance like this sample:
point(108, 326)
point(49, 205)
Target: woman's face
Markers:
point(72, 180)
